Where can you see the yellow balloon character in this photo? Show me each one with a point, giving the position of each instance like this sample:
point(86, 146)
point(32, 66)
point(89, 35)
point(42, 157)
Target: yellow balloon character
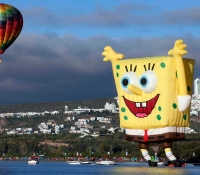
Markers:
point(154, 95)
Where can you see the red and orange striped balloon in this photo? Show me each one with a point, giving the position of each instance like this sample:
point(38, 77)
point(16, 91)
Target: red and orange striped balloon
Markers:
point(11, 23)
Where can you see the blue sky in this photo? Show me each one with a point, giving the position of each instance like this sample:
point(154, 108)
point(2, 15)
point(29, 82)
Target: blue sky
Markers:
point(57, 56)
point(114, 18)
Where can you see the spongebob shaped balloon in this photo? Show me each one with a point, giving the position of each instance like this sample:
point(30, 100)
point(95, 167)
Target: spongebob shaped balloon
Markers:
point(154, 96)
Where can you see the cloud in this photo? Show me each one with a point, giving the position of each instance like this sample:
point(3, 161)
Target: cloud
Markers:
point(189, 16)
point(48, 67)
point(124, 15)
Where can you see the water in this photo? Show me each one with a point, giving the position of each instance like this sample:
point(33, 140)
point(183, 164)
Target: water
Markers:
point(62, 168)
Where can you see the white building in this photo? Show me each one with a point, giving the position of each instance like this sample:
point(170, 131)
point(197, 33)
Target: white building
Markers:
point(197, 86)
point(66, 109)
point(81, 110)
point(70, 118)
point(92, 119)
point(110, 107)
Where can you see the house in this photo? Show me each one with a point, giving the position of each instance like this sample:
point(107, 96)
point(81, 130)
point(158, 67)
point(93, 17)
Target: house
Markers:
point(85, 126)
point(46, 131)
point(105, 120)
point(92, 119)
point(84, 131)
point(112, 129)
point(100, 118)
point(11, 132)
point(75, 131)
point(55, 112)
point(57, 129)
point(50, 122)
point(43, 126)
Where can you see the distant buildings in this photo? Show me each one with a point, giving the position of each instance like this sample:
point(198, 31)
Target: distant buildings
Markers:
point(82, 125)
point(197, 86)
point(110, 107)
point(28, 114)
point(195, 102)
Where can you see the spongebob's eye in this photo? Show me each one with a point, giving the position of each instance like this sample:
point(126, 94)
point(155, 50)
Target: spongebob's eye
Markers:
point(148, 81)
point(129, 78)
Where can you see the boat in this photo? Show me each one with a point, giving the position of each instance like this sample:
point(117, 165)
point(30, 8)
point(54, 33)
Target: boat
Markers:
point(74, 162)
point(86, 162)
point(105, 162)
point(196, 164)
point(33, 160)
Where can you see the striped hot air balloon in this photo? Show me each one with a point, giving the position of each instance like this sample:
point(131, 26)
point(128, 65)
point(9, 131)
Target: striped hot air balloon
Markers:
point(11, 23)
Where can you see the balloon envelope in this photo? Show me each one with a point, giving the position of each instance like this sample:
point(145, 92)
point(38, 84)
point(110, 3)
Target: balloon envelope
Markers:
point(11, 23)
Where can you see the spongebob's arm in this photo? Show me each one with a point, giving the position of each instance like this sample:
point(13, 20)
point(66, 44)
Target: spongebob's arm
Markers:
point(111, 55)
point(178, 51)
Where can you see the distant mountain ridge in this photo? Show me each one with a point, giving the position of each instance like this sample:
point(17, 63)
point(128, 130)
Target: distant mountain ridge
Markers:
point(52, 106)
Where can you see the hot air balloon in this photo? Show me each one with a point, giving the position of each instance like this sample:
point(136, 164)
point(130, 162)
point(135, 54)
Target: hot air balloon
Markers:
point(154, 95)
point(11, 23)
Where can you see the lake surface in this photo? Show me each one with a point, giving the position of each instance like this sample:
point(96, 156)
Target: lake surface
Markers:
point(62, 168)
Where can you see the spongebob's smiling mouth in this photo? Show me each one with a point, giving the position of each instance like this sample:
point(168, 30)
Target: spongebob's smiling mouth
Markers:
point(141, 109)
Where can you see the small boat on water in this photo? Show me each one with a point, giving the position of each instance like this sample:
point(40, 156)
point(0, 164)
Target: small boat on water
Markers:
point(33, 160)
point(105, 162)
point(86, 162)
point(74, 162)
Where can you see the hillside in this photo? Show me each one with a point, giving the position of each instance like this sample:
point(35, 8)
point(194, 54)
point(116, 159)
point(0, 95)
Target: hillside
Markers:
point(195, 123)
point(59, 106)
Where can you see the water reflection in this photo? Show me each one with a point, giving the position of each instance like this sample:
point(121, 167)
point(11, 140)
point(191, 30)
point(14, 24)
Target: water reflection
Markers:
point(61, 168)
point(150, 171)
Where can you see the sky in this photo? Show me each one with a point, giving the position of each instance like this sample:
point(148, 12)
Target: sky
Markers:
point(58, 54)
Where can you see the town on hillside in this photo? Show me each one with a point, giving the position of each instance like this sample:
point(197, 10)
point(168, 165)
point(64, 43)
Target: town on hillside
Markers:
point(81, 125)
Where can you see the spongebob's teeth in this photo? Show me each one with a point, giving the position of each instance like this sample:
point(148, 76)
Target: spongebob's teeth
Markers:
point(137, 105)
point(144, 104)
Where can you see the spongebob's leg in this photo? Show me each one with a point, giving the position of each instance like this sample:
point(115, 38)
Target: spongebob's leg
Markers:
point(145, 154)
point(167, 147)
point(169, 154)
point(143, 147)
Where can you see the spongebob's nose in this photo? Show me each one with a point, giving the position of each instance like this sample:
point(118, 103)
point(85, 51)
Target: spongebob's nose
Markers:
point(135, 90)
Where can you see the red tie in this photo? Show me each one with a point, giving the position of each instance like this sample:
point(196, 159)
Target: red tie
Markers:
point(145, 136)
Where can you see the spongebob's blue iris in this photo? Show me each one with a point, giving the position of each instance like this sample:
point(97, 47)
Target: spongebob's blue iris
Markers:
point(125, 82)
point(144, 81)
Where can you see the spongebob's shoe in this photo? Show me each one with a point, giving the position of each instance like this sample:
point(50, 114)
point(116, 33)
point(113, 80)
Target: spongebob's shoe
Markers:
point(177, 163)
point(152, 163)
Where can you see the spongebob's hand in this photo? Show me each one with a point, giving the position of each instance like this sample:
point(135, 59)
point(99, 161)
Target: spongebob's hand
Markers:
point(184, 102)
point(111, 55)
point(178, 50)
point(183, 98)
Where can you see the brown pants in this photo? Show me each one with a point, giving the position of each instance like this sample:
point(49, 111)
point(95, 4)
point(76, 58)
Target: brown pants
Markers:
point(165, 140)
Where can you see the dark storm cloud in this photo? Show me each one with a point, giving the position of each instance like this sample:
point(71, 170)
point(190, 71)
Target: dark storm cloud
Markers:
point(48, 67)
point(44, 67)
point(127, 14)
